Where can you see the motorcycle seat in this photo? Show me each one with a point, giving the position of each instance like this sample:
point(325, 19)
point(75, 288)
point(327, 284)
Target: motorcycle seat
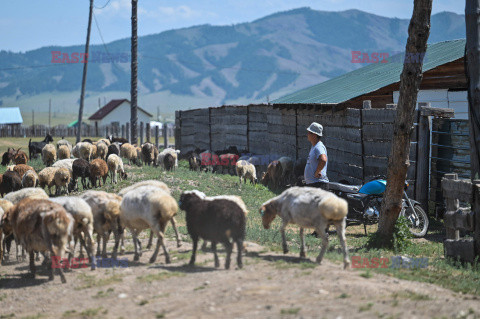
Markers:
point(343, 187)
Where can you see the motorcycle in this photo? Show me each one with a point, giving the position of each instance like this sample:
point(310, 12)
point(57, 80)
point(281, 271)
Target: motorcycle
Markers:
point(364, 205)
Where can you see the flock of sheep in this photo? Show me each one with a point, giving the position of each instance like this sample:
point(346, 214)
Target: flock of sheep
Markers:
point(277, 173)
point(53, 226)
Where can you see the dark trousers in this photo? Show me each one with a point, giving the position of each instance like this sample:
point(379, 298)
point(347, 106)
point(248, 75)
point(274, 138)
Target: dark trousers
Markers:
point(321, 185)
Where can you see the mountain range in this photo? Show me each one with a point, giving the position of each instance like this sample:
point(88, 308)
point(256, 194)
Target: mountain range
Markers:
point(209, 65)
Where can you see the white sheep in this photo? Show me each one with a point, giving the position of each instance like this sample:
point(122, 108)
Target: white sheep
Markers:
point(85, 150)
point(166, 151)
point(83, 227)
point(49, 154)
point(148, 207)
point(66, 143)
point(63, 152)
point(30, 192)
point(76, 151)
point(115, 166)
point(66, 163)
point(46, 178)
point(162, 186)
point(102, 150)
point(246, 171)
point(308, 207)
point(106, 214)
point(30, 179)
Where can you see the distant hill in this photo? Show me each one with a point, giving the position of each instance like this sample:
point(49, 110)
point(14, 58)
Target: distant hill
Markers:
point(210, 65)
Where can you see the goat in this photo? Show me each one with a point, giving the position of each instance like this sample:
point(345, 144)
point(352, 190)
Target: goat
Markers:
point(35, 148)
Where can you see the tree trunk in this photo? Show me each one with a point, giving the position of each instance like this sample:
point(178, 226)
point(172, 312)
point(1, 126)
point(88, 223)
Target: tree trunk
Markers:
point(134, 69)
point(472, 71)
point(410, 79)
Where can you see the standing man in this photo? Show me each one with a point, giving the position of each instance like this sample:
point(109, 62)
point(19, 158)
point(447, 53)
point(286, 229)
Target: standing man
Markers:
point(316, 168)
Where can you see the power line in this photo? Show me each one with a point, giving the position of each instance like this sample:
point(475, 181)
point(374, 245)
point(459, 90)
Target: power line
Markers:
point(106, 4)
point(103, 41)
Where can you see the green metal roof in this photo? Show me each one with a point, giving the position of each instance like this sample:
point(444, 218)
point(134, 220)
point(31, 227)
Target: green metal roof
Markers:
point(372, 77)
point(73, 124)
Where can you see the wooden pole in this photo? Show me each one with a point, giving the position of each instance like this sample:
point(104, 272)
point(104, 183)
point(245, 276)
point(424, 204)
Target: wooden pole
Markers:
point(165, 135)
point(423, 157)
point(147, 132)
point(134, 70)
point(84, 77)
point(472, 72)
point(141, 133)
point(157, 132)
point(128, 133)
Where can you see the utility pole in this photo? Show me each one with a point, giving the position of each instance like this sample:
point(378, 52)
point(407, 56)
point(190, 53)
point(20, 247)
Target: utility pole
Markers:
point(50, 113)
point(84, 78)
point(33, 118)
point(99, 104)
point(472, 72)
point(133, 87)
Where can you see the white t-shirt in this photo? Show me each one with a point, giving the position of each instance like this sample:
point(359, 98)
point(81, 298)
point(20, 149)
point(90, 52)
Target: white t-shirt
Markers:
point(312, 163)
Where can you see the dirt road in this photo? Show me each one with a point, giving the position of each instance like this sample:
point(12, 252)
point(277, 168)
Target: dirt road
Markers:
point(269, 286)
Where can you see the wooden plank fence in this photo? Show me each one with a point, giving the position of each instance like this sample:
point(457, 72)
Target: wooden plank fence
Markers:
point(358, 140)
point(461, 219)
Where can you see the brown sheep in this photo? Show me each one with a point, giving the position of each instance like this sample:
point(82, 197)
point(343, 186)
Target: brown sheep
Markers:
point(43, 226)
point(46, 178)
point(98, 168)
point(62, 179)
point(21, 169)
point(20, 157)
point(273, 177)
point(63, 152)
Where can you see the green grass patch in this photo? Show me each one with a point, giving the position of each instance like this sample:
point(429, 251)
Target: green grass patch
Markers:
point(366, 307)
point(344, 296)
point(290, 311)
point(159, 276)
point(90, 281)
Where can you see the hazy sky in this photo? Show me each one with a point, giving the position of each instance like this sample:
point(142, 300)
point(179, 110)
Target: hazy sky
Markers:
point(30, 24)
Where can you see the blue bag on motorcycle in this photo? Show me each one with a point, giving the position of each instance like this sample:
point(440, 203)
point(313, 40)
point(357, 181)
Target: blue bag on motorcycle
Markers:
point(375, 187)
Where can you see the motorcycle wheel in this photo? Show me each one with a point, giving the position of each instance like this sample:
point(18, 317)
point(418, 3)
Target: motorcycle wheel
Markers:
point(418, 221)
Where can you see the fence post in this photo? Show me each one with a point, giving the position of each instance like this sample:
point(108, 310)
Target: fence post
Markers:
point(178, 133)
point(123, 131)
point(452, 205)
point(147, 132)
point(127, 131)
point(157, 132)
point(165, 135)
point(141, 133)
point(476, 210)
point(423, 157)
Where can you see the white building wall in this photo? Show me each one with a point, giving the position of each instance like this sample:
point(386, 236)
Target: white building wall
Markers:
point(121, 114)
point(456, 100)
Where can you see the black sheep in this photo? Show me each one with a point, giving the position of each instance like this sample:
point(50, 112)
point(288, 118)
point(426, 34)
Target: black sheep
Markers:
point(11, 182)
point(169, 162)
point(81, 168)
point(35, 148)
point(113, 149)
point(7, 157)
point(216, 219)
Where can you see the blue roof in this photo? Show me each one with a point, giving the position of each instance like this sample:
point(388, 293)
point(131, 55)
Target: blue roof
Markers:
point(10, 115)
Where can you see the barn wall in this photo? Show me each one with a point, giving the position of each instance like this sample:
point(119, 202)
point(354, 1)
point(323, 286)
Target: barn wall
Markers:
point(358, 141)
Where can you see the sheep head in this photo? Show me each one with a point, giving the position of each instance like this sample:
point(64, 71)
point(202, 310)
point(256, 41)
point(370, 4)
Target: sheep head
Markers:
point(268, 211)
point(189, 198)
